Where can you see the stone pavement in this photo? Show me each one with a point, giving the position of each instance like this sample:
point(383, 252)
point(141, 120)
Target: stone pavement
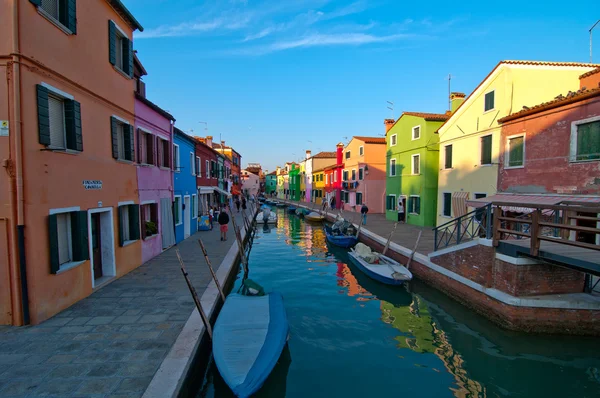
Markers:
point(405, 235)
point(111, 343)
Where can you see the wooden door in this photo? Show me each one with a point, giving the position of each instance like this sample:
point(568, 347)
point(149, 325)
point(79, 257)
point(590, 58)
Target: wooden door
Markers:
point(96, 245)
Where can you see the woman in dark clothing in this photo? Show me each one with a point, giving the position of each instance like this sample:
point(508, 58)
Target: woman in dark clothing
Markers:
point(237, 204)
point(243, 203)
point(223, 221)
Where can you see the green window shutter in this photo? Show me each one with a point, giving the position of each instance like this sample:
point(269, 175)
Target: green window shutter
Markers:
point(121, 221)
point(129, 144)
point(73, 125)
point(128, 55)
point(515, 152)
point(418, 205)
point(71, 16)
point(486, 150)
point(36, 2)
point(448, 163)
point(79, 235)
point(134, 222)
point(43, 115)
point(114, 137)
point(588, 141)
point(112, 45)
point(410, 204)
point(53, 243)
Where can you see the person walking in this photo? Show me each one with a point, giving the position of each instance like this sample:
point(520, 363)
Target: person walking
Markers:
point(237, 204)
point(332, 204)
point(400, 211)
point(364, 210)
point(210, 217)
point(223, 220)
point(243, 203)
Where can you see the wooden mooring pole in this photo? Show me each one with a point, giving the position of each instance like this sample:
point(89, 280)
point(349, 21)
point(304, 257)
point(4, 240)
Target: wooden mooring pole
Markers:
point(212, 271)
point(387, 244)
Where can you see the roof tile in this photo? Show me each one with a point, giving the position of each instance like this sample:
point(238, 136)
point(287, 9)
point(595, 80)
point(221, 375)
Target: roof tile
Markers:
point(429, 116)
point(371, 140)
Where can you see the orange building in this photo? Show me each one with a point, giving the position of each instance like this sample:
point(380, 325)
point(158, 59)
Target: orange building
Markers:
point(69, 207)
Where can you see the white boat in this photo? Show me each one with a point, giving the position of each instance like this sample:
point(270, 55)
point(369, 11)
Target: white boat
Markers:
point(314, 217)
point(379, 267)
point(271, 217)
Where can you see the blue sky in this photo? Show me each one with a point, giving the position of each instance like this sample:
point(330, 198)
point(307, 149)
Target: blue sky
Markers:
point(274, 78)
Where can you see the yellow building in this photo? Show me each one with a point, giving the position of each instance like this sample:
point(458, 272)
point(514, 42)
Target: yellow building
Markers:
point(318, 185)
point(470, 138)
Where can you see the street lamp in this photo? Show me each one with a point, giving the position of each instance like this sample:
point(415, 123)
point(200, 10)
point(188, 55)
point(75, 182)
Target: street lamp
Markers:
point(598, 21)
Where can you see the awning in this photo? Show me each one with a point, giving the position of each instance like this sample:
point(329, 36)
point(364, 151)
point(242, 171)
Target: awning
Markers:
point(534, 200)
point(459, 203)
point(221, 191)
point(205, 190)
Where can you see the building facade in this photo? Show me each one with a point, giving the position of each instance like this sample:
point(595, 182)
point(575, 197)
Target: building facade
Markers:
point(473, 131)
point(62, 198)
point(318, 186)
point(185, 189)
point(206, 183)
point(250, 183)
point(412, 166)
point(271, 183)
point(316, 162)
point(333, 177)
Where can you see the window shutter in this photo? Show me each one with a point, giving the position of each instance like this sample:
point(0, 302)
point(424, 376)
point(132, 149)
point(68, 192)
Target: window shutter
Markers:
point(112, 45)
point(129, 53)
point(53, 242)
point(418, 205)
point(121, 222)
point(114, 134)
point(73, 125)
point(159, 152)
point(134, 222)
point(140, 149)
point(130, 139)
point(43, 115)
point(79, 235)
point(154, 212)
point(71, 17)
point(154, 141)
point(36, 2)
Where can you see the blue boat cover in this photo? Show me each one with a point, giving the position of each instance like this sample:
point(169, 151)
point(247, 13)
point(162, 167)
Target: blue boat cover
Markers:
point(248, 339)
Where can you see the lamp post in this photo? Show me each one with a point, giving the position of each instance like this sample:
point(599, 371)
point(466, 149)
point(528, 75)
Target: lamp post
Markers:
point(592, 28)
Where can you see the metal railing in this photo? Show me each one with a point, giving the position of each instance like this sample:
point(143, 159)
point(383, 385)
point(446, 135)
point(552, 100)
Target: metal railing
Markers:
point(475, 224)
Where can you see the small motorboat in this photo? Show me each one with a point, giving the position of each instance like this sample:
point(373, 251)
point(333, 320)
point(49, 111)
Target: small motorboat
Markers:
point(248, 339)
point(342, 238)
point(300, 212)
point(291, 210)
point(314, 217)
point(379, 267)
point(271, 217)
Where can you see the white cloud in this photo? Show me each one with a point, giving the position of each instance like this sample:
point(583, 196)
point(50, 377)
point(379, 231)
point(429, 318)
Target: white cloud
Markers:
point(183, 29)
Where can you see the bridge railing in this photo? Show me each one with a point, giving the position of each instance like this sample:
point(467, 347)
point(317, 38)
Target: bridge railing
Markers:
point(475, 224)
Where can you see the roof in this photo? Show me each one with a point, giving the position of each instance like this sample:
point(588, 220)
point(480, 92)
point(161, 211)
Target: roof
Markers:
point(437, 117)
point(324, 155)
point(273, 173)
point(571, 97)
point(183, 135)
point(371, 140)
point(137, 61)
point(154, 107)
point(530, 200)
point(513, 62)
point(590, 73)
point(322, 169)
point(202, 141)
point(333, 166)
point(125, 14)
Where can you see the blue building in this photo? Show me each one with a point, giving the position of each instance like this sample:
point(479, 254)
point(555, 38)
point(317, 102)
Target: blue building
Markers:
point(184, 186)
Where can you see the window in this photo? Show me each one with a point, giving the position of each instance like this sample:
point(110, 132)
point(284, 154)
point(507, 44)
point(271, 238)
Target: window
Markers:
point(120, 49)
point(392, 167)
point(416, 132)
point(213, 169)
point(123, 146)
point(347, 154)
point(146, 148)
point(585, 145)
point(68, 239)
point(198, 166)
point(489, 101)
point(129, 223)
point(447, 204)
point(149, 214)
point(486, 149)
point(393, 139)
point(516, 152)
point(192, 164)
point(416, 164)
point(448, 157)
point(59, 119)
point(165, 160)
point(335, 176)
point(62, 12)
point(177, 210)
point(359, 198)
point(414, 204)
point(361, 174)
point(345, 175)
point(390, 202)
point(176, 163)
point(194, 209)
point(361, 150)
point(353, 174)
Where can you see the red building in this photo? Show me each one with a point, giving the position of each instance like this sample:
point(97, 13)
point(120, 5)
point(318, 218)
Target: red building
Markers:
point(333, 177)
point(207, 182)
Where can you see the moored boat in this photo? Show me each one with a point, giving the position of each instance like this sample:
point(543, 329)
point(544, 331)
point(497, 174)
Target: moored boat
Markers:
point(378, 266)
point(314, 217)
point(291, 210)
point(345, 240)
point(271, 217)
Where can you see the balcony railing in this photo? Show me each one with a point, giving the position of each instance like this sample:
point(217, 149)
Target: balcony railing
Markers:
point(475, 224)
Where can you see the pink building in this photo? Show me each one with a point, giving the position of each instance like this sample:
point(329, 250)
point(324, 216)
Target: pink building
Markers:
point(154, 138)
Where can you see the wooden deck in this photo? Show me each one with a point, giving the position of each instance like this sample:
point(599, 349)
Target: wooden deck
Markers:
point(587, 260)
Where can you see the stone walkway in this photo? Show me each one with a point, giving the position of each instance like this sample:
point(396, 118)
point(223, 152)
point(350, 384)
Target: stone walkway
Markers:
point(111, 343)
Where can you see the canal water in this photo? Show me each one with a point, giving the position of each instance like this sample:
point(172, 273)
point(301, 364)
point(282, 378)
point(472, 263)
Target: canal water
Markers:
point(353, 337)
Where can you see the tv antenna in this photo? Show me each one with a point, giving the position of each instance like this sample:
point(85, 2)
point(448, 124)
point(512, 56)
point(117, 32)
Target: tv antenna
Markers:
point(391, 107)
point(449, 100)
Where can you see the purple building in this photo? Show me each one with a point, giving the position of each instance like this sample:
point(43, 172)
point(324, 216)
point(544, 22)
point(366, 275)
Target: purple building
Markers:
point(154, 141)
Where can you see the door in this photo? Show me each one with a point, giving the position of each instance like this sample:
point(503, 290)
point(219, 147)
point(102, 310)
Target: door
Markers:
point(187, 216)
point(96, 245)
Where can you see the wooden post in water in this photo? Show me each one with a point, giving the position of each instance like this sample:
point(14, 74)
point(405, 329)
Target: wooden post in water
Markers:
point(212, 271)
point(205, 319)
point(387, 244)
point(412, 254)
point(237, 234)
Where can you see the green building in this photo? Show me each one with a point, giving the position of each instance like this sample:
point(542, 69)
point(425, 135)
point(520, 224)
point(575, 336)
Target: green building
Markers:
point(294, 182)
point(271, 183)
point(412, 166)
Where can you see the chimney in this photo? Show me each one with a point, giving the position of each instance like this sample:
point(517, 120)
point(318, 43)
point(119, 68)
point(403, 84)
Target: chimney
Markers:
point(340, 153)
point(456, 99)
point(388, 124)
point(308, 153)
point(209, 141)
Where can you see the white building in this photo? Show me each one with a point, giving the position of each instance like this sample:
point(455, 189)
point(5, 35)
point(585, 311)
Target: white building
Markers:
point(250, 183)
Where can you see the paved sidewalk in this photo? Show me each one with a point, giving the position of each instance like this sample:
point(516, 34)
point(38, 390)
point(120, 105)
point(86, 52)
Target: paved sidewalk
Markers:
point(111, 343)
point(405, 235)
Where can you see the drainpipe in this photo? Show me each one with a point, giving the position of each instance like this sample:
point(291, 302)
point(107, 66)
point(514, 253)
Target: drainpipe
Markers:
point(20, 315)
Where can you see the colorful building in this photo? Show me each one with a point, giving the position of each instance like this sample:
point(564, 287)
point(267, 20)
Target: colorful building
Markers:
point(64, 189)
point(185, 188)
point(471, 136)
point(206, 183)
point(271, 183)
point(412, 165)
point(318, 186)
point(231, 181)
point(316, 162)
point(154, 137)
point(363, 174)
point(294, 182)
point(333, 177)
point(250, 183)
